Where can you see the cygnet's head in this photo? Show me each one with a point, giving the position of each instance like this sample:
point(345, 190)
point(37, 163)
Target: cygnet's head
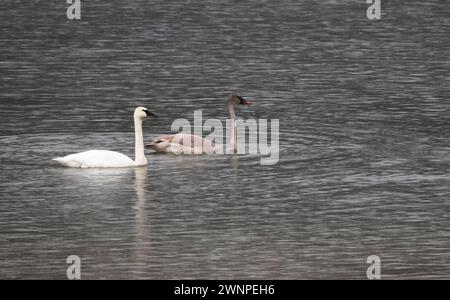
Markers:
point(160, 144)
point(235, 99)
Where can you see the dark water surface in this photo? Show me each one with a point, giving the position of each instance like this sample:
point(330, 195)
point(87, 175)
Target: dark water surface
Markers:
point(364, 139)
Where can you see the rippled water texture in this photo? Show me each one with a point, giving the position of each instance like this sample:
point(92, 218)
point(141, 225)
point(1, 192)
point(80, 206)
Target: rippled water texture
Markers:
point(364, 144)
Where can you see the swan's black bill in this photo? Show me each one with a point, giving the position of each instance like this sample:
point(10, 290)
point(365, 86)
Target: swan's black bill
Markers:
point(150, 114)
point(244, 101)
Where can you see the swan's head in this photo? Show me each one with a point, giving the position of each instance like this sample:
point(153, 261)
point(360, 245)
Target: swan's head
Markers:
point(142, 113)
point(235, 99)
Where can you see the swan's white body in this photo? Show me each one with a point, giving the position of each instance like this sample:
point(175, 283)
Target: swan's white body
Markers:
point(96, 159)
point(182, 143)
point(111, 159)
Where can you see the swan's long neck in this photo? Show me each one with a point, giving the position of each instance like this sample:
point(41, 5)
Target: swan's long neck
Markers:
point(140, 158)
point(233, 135)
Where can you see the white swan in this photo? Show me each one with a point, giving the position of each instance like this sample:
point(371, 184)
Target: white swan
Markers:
point(111, 159)
point(193, 144)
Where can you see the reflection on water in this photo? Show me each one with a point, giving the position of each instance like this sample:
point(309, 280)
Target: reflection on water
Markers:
point(364, 144)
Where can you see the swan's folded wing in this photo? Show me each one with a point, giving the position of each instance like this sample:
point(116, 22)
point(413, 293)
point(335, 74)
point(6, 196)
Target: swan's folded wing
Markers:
point(188, 140)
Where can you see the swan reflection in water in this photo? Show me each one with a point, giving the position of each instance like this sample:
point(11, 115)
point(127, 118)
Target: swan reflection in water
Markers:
point(142, 236)
point(112, 201)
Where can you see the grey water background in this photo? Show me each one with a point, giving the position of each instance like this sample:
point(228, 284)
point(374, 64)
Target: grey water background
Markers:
point(364, 139)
